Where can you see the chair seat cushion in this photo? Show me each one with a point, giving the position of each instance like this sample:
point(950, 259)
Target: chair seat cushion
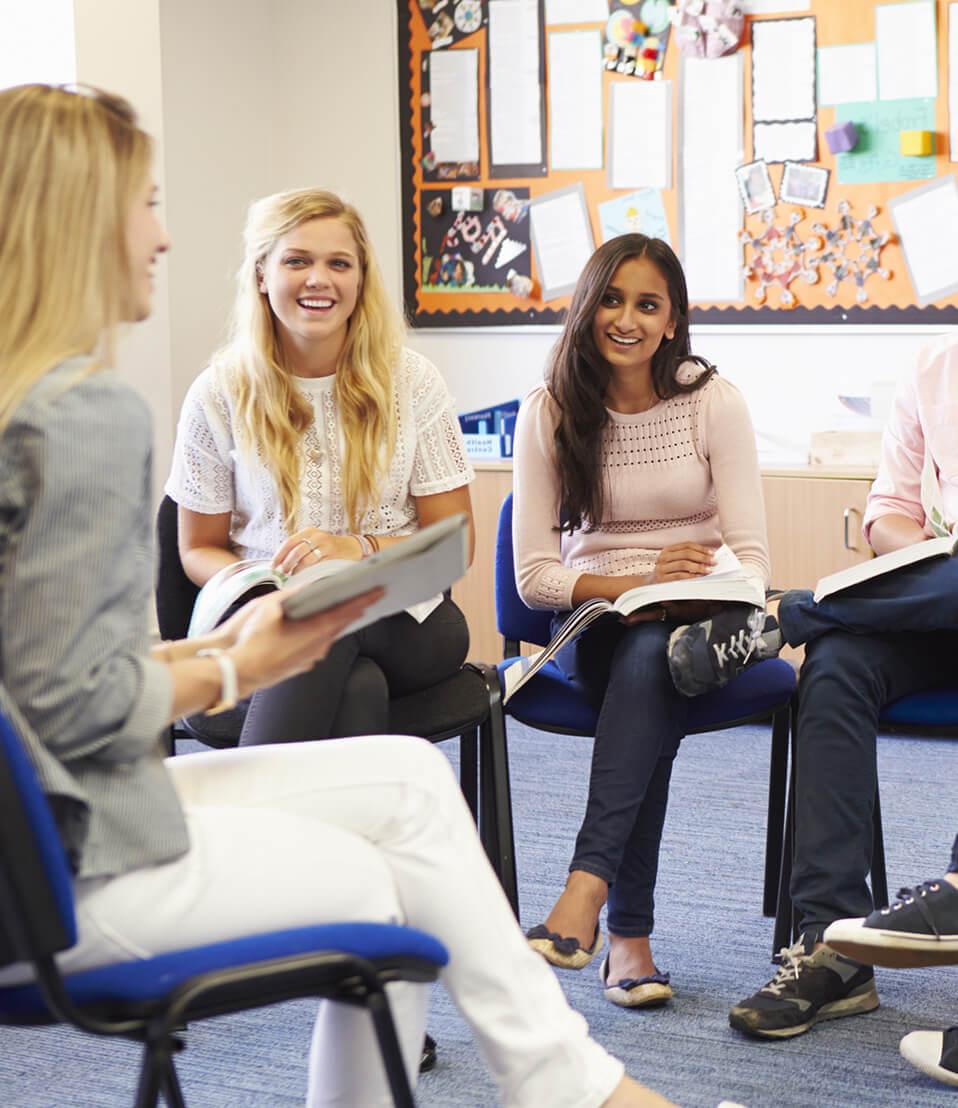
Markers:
point(154, 978)
point(457, 704)
point(933, 708)
point(553, 702)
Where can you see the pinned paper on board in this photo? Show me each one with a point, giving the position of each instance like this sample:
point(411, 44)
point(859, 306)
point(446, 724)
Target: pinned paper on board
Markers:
point(784, 113)
point(927, 222)
point(847, 74)
point(804, 184)
point(953, 81)
point(575, 100)
point(640, 134)
point(562, 239)
point(515, 93)
point(576, 11)
point(450, 115)
point(641, 211)
point(877, 154)
point(475, 251)
point(907, 47)
point(755, 186)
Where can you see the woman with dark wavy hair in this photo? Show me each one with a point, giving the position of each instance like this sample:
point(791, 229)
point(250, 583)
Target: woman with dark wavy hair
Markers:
point(634, 462)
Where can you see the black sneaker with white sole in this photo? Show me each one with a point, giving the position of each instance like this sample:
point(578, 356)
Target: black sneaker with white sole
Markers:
point(808, 987)
point(919, 929)
point(708, 654)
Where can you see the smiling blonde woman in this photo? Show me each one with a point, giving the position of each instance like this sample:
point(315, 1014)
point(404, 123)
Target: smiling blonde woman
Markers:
point(315, 434)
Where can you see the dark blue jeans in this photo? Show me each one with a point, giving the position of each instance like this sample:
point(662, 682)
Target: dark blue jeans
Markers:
point(882, 640)
point(642, 720)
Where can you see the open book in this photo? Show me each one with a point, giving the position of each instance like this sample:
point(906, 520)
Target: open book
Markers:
point(727, 582)
point(886, 563)
point(943, 545)
point(411, 572)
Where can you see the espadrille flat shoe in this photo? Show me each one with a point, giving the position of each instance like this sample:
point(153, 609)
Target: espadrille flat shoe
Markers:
point(636, 992)
point(561, 952)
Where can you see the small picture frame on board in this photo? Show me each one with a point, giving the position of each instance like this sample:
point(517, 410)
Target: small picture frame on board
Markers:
point(755, 186)
point(804, 184)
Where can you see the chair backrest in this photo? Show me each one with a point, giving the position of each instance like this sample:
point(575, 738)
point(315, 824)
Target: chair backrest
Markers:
point(514, 619)
point(36, 888)
point(175, 592)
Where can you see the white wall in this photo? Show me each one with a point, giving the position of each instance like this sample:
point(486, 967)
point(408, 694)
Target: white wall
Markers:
point(118, 48)
point(219, 125)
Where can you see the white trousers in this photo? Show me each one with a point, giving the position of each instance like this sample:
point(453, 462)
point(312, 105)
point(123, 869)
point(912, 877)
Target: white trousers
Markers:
point(362, 828)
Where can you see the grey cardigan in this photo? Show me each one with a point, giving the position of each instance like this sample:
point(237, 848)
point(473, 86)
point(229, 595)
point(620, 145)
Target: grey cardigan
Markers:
point(76, 572)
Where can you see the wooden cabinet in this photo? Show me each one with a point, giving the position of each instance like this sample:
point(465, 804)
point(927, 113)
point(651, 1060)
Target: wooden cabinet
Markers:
point(475, 593)
point(814, 524)
point(814, 528)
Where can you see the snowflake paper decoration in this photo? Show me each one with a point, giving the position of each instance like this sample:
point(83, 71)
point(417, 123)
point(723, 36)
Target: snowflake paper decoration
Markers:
point(849, 251)
point(852, 250)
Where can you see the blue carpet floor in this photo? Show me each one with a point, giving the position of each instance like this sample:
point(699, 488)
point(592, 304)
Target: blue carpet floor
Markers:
point(709, 933)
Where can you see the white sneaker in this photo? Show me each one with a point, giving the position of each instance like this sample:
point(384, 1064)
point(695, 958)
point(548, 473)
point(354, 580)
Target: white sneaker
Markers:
point(934, 1053)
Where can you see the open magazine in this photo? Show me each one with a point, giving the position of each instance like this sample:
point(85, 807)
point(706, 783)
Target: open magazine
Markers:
point(412, 572)
point(726, 582)
point(943, 545)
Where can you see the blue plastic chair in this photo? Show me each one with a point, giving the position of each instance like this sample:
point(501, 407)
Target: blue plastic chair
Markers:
point(552, 702)
point(932, 712)
point(148, 1000)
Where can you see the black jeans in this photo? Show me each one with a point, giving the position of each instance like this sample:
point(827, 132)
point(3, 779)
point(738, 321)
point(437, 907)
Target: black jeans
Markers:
point(348, 692)
point(880, 641)
point(642, 720)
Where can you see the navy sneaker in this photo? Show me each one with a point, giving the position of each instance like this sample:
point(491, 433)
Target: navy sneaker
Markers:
point(809, 987)
point(919, 929)
point(708, 654)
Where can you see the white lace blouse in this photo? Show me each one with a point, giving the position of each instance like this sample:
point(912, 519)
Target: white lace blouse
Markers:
point(210, 475)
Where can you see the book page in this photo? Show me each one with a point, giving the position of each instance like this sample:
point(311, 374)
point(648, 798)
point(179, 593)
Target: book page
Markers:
point(411, 572)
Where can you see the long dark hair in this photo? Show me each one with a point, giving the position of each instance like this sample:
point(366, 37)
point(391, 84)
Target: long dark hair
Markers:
point(578, 376)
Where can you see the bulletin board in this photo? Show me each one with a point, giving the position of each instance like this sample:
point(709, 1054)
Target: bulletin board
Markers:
point(843, 238)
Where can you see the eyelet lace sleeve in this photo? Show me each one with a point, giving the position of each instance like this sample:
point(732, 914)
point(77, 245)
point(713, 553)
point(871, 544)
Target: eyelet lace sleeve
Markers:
point(439, 461)
point(201, 478)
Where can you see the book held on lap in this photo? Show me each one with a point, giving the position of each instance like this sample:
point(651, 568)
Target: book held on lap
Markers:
point(412, 572)
point(886, 563)
point(727, 582)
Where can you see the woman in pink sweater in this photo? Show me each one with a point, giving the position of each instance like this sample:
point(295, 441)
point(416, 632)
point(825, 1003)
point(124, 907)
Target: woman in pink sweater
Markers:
point(633, 463)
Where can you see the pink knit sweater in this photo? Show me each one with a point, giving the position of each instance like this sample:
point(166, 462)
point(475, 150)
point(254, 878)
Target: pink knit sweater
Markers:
point(686, 470)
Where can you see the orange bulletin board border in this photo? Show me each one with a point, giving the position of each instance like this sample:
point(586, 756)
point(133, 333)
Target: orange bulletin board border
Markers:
point(837, 22)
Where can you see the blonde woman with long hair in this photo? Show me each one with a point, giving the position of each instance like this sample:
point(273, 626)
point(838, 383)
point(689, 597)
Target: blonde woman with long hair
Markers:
point(216, 846)
point(315, 434)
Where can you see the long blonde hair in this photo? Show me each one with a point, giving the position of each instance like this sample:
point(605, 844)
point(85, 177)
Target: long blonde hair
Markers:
point(272, 414)
point(71, 164)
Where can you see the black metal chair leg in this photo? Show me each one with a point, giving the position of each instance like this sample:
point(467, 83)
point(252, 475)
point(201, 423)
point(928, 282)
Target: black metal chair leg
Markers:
point(785, 921)
point(496, 806)
point(171, 1085)
point(469, 771)
point(775, 826)
point(378, 1005)
point(879, 878)
point(148, 1088)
